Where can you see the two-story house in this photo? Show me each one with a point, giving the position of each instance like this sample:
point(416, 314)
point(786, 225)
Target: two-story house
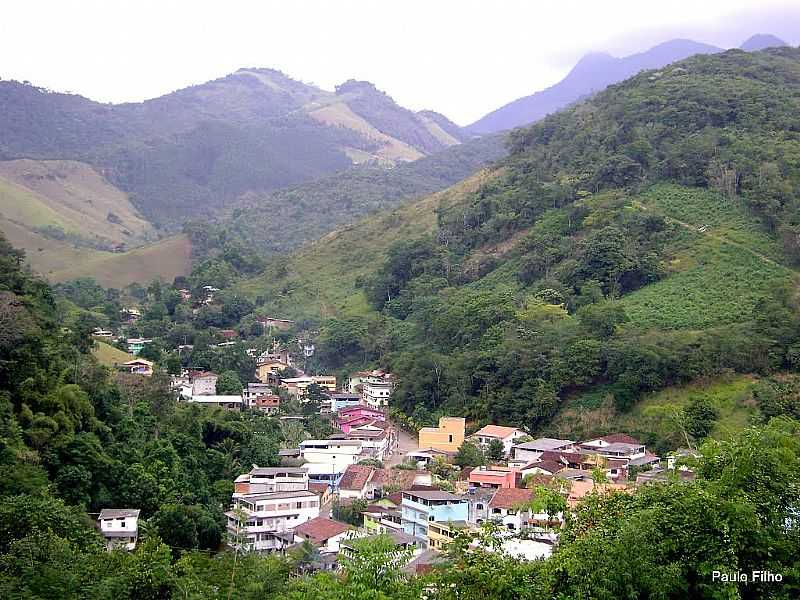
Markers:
point(119, 527)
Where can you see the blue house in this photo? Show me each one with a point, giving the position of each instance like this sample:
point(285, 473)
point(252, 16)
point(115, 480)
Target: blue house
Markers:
point(419, 508)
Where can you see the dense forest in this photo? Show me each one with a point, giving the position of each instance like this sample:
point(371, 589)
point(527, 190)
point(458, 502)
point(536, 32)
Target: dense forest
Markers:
point(75, 439)
point(643, 239)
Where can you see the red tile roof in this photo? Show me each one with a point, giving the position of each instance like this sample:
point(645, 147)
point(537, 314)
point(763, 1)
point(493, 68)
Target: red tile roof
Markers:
point(496, 431)
point(510, 497)
point(551, 466)
point(318, 488)
point(320, 529)
point(356, 477)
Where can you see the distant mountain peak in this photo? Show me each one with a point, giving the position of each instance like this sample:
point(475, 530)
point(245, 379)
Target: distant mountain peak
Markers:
point(760, 41)
point(592, 73)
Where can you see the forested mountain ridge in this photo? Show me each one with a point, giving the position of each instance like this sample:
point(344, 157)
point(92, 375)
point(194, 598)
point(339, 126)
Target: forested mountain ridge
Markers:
point(283, 220)
point(645, 238)
point(193, 152)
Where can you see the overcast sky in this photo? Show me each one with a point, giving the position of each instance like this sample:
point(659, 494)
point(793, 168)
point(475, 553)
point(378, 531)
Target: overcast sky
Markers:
point(460, 57)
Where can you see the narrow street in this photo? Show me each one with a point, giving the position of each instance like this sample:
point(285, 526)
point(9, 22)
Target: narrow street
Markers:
point(406, 442)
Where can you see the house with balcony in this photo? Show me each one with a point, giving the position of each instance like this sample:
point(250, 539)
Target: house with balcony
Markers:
point(377, 393)
point(119, 527)
point(421, 507)
point(261, 480)
point(268, 503)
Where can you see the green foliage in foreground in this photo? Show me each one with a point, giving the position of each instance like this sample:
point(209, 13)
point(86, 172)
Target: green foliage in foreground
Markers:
point(662, 541)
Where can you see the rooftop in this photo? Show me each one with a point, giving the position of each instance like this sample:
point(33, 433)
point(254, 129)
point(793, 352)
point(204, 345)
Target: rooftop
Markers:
point(544, 444)
point(356, 477)
point(320, 529)
point(276, 470)
point(433, 495)
point(497, 431)
point(510, 497)
point(118, 513)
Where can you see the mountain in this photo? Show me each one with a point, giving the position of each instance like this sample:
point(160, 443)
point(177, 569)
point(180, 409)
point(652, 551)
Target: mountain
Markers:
point(283, 220)
point(640, 248)
point(591, 74)
point(193, 152)
point(761, 41)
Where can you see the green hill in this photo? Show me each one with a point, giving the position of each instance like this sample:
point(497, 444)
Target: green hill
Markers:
point(644, 239)
point(193, 152)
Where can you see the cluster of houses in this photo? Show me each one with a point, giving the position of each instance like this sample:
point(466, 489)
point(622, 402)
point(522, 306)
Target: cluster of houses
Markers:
point(411, 506)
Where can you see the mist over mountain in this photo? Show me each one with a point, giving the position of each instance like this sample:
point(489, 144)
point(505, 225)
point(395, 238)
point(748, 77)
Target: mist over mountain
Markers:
point(591, 74)
point(761, 41)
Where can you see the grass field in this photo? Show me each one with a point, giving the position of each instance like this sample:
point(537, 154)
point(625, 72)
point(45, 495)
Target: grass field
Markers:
point(717, 276)
point(71, 196)
point(163, 260)
point(108, 355)
point(654, 416)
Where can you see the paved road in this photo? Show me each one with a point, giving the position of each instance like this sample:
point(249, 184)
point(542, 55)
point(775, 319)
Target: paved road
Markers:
point(406, 442)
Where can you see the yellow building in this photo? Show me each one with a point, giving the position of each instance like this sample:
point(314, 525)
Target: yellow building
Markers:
point(263, 370)
point(448, 437)
point(441, 533)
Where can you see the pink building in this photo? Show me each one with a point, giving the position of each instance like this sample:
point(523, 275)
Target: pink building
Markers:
point(356, 416)
point(494, 477)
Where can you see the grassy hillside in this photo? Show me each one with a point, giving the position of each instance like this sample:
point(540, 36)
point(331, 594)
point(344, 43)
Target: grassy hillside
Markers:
point(109, 356)
point(643, 241)
point(69, 200)
point(162, 260)
point(320, 279)
point(283, 220)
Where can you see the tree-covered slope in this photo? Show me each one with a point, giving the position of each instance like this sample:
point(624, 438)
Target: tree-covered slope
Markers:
point(643, 239)
point(193, 152)
point(282, 220)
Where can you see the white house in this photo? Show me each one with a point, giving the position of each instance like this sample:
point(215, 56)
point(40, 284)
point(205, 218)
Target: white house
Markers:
point(533, 450)
point(203, 384)
point(326, 460)
point(119, 527)
point(376, 393)
point(507, 435)
point(355, 481)
point(256, 521)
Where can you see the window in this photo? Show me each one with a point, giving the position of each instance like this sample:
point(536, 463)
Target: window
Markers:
point(479, 506)
point(450, 438)
point(496, 511)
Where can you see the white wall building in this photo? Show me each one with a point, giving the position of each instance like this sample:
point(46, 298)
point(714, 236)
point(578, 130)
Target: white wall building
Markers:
point(120, 527)
point(326, 460)
point(376, 393)
point(268, 503)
